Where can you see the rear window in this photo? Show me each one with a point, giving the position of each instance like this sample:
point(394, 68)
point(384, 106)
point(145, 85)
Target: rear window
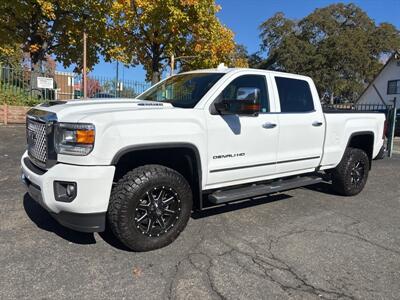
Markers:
point(294, 95)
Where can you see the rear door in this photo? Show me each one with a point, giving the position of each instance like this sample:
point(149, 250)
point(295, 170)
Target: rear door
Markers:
point(301, 124)
point(241, 148)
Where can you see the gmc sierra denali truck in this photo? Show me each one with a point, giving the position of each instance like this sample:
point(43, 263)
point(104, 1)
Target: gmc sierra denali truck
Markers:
point(198, 138)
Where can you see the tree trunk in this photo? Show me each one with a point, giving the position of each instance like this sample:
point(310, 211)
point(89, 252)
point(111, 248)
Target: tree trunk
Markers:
point(36, 69)
point(155, 77)
point(155, 64)
point(332, 99)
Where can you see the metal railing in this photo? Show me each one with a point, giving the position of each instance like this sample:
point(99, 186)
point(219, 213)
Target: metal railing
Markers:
point(392, 117)
point(358, 107)
point(21, 86)
point(102, 87)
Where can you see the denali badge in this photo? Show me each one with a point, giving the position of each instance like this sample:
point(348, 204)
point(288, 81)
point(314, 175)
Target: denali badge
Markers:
point(229, 155)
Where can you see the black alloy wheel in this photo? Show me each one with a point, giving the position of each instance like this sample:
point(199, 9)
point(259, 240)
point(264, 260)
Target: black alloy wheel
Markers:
point(157, 211)
point(357, 173)
point(351, 174)
point(149, 207)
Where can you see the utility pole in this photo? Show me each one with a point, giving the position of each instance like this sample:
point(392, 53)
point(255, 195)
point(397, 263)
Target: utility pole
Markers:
point(84, 74)
point(117, 83)
point(173, 59)
point(172, 64)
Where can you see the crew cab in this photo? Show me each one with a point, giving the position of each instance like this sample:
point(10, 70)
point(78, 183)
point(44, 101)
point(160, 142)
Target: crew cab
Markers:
point(193, 140)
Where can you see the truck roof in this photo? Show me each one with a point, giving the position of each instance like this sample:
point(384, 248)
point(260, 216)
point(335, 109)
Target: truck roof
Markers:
point(226, 70)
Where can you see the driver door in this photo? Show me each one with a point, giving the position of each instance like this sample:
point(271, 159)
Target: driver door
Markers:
point(242, 148)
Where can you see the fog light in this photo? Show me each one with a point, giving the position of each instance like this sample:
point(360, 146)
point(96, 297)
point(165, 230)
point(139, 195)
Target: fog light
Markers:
point(65, 191)
point(70, 190)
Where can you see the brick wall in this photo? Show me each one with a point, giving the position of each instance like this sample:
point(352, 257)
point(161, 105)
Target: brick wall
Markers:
point(12, 114)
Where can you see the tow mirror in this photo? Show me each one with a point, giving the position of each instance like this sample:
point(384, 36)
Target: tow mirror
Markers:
point(246, 103)
point(238, 107)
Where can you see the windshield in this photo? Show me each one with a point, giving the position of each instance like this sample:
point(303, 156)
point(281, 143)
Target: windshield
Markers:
point(182, 90)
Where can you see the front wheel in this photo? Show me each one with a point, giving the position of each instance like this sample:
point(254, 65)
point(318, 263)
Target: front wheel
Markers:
point(350, 176)
point(149, 207)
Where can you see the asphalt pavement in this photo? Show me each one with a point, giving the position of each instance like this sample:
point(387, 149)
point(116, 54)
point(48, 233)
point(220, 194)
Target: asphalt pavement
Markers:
point(304, 244)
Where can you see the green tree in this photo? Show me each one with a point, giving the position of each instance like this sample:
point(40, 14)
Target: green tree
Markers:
point(45, 27)
point(240, 56)
point(150, 31)
point(11, 55)
point(255, 61)
point(339, 46)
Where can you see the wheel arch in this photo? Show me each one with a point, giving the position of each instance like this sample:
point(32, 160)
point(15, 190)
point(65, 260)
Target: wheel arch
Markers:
point(363, 140)
point(182, 157)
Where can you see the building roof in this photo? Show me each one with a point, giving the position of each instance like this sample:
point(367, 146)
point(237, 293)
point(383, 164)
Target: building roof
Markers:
point(395, 55)
point(64, 73)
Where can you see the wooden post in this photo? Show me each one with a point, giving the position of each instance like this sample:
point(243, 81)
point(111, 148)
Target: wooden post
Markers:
point(5, 114)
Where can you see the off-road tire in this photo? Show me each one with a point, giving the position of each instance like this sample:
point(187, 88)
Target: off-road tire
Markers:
point(128, 194)
point(343, 176)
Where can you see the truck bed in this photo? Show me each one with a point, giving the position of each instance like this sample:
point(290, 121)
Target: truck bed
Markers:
point(340, 126)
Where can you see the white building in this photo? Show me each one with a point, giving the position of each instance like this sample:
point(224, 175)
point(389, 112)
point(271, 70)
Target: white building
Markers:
point(386, 85)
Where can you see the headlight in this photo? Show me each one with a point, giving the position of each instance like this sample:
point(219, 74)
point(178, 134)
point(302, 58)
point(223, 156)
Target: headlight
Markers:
point(74, 138)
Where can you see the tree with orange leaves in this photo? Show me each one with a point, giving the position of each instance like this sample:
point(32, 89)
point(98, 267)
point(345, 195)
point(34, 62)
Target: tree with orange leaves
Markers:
point(148, 32)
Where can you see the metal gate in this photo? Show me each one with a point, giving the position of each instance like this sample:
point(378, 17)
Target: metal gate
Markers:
point(390, 111)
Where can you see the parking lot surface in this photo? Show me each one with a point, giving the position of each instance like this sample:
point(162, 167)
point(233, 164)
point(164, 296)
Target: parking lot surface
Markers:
point(304, 244)
point(396, 145)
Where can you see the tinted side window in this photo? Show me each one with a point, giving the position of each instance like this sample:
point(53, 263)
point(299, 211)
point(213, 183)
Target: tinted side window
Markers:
point(294, 95)
point(247, 87)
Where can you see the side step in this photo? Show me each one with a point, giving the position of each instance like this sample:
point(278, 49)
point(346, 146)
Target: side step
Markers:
point(222, 196)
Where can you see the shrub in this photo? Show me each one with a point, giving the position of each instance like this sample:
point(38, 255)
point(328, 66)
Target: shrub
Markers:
point(12, 95)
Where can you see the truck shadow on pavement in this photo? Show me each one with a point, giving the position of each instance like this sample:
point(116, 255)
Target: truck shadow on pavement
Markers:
point(322, 187)
point(230, 206)
point(45, 221)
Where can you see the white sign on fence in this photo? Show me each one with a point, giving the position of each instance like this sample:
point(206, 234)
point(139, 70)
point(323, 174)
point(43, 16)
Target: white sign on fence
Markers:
point(45, 83)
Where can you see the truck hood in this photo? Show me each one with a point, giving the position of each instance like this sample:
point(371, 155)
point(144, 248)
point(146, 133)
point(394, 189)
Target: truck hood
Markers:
point(75, 110)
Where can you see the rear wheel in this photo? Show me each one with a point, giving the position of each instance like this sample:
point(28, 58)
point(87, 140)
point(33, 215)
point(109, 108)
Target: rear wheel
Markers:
point(350, 176)
point(149, 207)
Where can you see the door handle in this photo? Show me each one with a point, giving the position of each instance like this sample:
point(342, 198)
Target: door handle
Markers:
point(269, 125)
point(317, 123)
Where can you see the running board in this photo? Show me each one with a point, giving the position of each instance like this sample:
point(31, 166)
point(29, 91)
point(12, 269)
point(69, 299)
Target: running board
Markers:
point(222, 196)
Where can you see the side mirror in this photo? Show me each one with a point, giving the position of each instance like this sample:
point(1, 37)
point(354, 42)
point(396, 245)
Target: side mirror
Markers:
point(238, 107)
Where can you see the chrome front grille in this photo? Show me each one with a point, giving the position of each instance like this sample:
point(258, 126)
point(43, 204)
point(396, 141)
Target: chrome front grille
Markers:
point(37, 140)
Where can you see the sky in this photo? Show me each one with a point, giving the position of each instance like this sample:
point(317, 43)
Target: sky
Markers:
point(243, 17)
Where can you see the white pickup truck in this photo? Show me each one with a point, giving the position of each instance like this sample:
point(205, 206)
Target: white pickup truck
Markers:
point(196, 139)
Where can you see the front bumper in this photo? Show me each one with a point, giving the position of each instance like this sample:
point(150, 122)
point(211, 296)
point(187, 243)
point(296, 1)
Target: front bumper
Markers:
point(88, 210)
